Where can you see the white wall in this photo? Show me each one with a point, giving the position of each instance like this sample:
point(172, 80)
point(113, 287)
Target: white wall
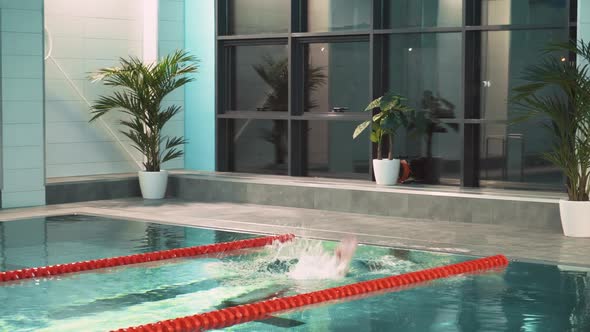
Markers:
point(88, 35)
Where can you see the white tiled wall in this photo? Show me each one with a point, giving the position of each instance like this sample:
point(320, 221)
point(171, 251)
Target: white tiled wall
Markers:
point(171, 38)
point(23, 178)
point(86, 35)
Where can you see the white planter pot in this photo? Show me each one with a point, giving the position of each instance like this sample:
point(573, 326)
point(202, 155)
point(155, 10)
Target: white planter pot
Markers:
point(153, 184)
point(386, 171)
point(575, 218)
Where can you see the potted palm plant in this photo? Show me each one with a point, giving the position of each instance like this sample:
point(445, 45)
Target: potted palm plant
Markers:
point(560, 90)
point(391, 115)
point(139, 91)
point(427, 123)
point(275, 74)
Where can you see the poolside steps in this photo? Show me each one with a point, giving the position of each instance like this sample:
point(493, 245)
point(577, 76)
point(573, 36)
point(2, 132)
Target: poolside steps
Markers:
point(536, 210)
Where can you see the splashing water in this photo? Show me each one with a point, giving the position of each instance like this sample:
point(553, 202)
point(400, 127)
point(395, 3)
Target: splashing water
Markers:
point(319, 264)
point(307, 263)
point(301, 259)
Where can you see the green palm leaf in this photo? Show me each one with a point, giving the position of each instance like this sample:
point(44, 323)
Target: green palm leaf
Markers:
point(139, 91)
point(560, 91)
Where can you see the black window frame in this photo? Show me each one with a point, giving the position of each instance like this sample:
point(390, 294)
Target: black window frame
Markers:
point(469, 124)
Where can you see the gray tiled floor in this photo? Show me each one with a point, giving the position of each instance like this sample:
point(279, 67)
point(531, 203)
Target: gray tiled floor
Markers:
point(476, 239)
point(334, 183)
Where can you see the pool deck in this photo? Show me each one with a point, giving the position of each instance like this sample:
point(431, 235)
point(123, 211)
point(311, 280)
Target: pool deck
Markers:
point(517, 243)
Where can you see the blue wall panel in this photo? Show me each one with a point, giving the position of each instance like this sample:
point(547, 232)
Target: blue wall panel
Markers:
point(200, 95)
point(22, 148)
point(171, 38)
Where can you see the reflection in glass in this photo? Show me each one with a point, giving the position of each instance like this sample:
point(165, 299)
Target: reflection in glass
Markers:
point(514, 154)
point(422, 13)
point(260, 78)
point(426, 68)
point(260, 146)
point(275, 74)
point(331, 151)
point(494, 12)
point(343, 69)
point(505, 54)
point(433, 152)
point(258, 16)
point(341, 15)
point(427, 123)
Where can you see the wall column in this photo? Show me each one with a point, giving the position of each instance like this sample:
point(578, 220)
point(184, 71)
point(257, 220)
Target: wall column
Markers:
point(23, 129)
point(200, 94)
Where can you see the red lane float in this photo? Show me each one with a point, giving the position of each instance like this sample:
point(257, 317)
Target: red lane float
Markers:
point(260, 310)
point(48, 271)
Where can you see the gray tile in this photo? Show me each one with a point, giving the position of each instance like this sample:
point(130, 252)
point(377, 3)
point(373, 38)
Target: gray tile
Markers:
point(55, 194)
point(456, 237)
point(505, 212)
point(336, 195)
point(290, 196)
point(195, 190)
point(482, 211)
point(419, 206)
point(541, 215)
point(226, 191)
point(60, 193)
point(460, 209)
point(172, 189)
point(341, 200)
point(388, 204)
point(436, 208)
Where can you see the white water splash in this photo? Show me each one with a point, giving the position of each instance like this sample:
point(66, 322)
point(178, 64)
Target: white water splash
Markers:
point(315, 263)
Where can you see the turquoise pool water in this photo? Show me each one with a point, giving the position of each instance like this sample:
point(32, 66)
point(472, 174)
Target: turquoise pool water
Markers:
point(525, 297)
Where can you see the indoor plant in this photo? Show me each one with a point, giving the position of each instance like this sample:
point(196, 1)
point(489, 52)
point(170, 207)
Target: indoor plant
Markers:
point(560, 90)
point(139, 91)
point(391, 114)
point(275, 73)
point(427, 122)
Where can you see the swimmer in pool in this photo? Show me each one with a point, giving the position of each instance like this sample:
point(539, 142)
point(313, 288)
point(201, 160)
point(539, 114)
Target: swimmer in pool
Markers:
point(326, 265)
point(344, 253)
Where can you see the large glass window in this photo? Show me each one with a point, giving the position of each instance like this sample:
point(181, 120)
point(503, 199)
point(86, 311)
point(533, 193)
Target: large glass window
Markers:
point(497, 12)
point(260, 146)
point(512, 154)
point(337, 77)
point(433, 152)
point(341, 15)
point(504, 57)
point(294, 77)
point(257, 16)
point(258, 78)
point(422, 13)
point(331, 151)
point(426, 68)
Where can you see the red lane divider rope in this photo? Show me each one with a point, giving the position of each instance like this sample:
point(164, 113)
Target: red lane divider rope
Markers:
point(260, 310)
point(48, 271)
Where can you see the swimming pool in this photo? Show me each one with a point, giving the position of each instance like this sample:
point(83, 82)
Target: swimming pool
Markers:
point(526, 297)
